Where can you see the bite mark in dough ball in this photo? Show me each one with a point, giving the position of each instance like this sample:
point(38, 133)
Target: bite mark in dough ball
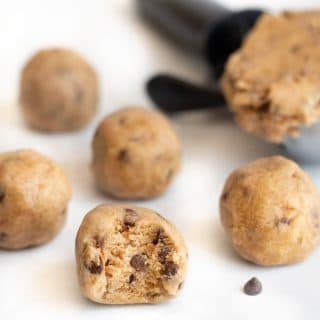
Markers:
point(128, 255)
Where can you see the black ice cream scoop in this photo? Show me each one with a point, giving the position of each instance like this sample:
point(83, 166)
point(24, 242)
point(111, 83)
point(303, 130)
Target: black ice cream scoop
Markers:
point(205, 28)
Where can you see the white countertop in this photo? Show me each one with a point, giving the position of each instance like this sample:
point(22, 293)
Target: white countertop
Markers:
point(40, 283)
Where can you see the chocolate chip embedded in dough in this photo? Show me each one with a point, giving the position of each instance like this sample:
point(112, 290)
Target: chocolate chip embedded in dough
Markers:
point(170, 269)
point(3, 236)
point(159, 237)
point(123, 155)
point(131, 217)
point(99, 242)
point(2, 195)
point(163, 253)
point(139, 262)
point(132, 278)
point(94, 267)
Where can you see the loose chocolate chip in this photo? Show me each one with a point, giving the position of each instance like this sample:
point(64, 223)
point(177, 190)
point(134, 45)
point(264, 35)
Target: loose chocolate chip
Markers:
point(139, 262)
point(163, 253)
point(123, 155)
point(159, 237)
point(94, 267)
point(253, 287)
point(98, 241)
point(170, 269)
point(132, 278)
point(107, 262)
point(131, 217)
point(3, 236)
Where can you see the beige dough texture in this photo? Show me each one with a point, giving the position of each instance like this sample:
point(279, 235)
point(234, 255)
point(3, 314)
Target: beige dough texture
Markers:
point(58, 91)
point(128, 255)
point(270, 209)
point(136, 153)
point(272, 83)
point(34, 194)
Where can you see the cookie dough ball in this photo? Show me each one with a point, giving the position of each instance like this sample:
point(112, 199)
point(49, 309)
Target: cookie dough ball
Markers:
point(34, 194)
point(128, 255)
point(270, 209)
point(58, 91)
point(136, 153)
point(272, 83)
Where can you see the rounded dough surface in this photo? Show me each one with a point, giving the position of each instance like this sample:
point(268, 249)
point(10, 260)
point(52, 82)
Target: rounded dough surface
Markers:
point(270, 209)
point(58, 91)
point(136, 153)
point(34, 194)
point(128, 255)
point(272, 82)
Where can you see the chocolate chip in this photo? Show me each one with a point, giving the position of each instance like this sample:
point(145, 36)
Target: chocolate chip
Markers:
point(245, 192)
point(132, 278)
point(123, 155)
point(153, 295)
point(253, 287)
point(180, 286)
point(169, 175)
point(78, 96)
point(98, 241)
point(225, 196)
point(108, 262)
point(163, 253)
point(160, 235)
point(139, 262)
point(295, 48)
point(3, 236)
point(122, 121)
point(131, 217)
point(283, 220)
point(170, 269)
point(94, 267)
point(2, 195)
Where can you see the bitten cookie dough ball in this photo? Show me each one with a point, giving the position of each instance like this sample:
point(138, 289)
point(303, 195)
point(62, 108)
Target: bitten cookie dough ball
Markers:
point(270, 209)
point(34, 194)
point(128, 255)
point(58, 91)
point(136, 153)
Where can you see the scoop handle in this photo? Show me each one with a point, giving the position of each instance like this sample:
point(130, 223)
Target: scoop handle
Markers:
point(187, 22)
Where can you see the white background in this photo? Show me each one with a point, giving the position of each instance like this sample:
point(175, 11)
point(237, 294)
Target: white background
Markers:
point(40, 283)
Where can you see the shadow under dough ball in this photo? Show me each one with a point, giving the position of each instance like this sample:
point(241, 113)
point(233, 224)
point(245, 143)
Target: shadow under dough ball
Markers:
point(128, 255)
point(136, 153)
point(58, 91)
point(34, 194)
point(270, 209)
